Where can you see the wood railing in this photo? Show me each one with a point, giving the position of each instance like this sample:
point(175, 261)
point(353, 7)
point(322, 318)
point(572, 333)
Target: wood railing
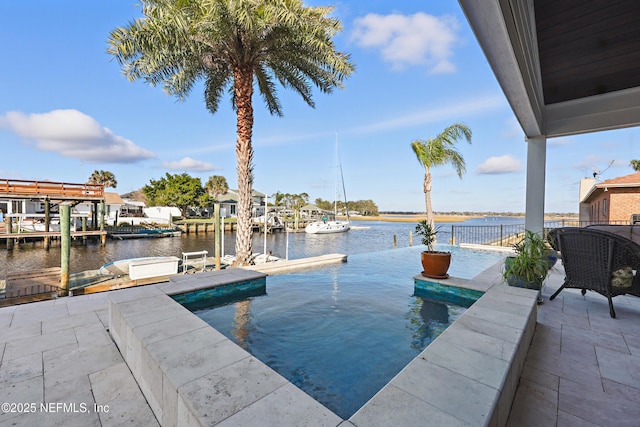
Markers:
point(49, 188)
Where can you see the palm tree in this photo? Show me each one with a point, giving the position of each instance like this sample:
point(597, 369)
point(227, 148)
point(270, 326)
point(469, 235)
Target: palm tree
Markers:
point(439, 151)
point(635, 165)
point(216, 186)
point(232, 45)
point(105, 178)
point(298, 201)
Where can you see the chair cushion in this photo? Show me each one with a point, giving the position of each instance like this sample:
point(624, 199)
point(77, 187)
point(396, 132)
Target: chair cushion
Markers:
point(622, 278)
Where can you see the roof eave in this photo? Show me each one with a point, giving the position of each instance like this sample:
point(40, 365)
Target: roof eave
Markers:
point(514, 66)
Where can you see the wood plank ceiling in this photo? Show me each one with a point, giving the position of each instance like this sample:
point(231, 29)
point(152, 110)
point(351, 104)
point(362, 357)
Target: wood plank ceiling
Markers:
point(587, 47)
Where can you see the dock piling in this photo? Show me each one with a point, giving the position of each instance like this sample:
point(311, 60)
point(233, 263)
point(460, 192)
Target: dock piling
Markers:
point(65, 247)
point(10, 241)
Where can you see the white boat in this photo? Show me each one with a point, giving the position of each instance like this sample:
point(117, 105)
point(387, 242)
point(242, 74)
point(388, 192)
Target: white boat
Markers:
point(146, 233)
point(326, 226)
point(138, 268)
point(34, 222)
point(256, 258)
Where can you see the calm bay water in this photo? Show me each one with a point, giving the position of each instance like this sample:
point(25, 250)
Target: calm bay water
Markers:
point(375, 236)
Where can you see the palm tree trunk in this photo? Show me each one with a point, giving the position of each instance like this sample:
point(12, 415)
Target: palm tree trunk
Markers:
point(427, 196)
point(243, 89)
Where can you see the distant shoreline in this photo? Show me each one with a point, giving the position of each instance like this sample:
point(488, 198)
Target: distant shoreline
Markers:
point(439, 218)
point(414, 218)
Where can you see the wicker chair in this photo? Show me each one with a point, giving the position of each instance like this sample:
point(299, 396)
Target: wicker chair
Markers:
point(593, 259)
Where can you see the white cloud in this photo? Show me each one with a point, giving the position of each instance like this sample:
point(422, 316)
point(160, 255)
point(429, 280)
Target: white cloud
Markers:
point(73, 134)
point(189, 164)
point(499, 165)
point(407, 40)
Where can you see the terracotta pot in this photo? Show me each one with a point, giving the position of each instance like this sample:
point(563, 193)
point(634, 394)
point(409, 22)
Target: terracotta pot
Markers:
point(435, 264)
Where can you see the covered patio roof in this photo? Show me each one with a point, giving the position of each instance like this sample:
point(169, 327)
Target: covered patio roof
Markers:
point(566, 67)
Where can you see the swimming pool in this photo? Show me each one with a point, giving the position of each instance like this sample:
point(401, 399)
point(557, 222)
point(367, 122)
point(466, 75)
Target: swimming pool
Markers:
point(340, 333)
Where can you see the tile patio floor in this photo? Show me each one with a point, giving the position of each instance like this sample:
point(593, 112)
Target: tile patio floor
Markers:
point(583, 368)
point(60, 351)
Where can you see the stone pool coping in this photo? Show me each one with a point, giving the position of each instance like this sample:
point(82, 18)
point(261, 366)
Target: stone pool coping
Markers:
point(469, 374)
point(193, 375)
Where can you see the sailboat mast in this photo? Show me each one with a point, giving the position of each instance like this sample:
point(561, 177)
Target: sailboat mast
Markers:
point(335, 190)
point(335, 193)
point(344, 190)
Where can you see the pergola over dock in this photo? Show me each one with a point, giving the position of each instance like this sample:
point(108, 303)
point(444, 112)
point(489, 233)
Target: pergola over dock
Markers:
point(20, 189)
point(57, 192)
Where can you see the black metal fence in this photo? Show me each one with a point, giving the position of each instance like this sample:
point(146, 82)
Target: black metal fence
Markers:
point(508, 234)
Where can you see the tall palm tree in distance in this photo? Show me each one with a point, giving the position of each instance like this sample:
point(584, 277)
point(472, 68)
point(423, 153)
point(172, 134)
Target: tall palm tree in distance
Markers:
point(439, 151)
point(216, 186)
point(105, 178)
point(635, 165)
point(232, 45)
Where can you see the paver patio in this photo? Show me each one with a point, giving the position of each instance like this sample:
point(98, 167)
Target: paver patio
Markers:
point(583, 367)
point(59, 353)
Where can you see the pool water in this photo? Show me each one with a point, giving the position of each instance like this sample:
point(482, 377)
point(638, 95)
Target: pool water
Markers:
point(340, 333)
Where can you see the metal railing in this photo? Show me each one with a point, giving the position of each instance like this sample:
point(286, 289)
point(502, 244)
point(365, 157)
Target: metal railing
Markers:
point(508, 234)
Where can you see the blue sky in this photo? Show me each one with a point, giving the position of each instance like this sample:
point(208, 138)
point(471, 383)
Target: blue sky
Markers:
point(66, 110)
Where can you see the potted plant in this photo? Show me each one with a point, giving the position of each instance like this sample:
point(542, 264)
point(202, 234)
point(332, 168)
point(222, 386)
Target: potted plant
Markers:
point(435, 264)
point(552, 250)
point(530, 265)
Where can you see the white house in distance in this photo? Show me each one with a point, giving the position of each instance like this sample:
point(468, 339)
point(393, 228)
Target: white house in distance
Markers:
point(113, 204)
point(133, 212)
point(229, 204)
point(130, 210)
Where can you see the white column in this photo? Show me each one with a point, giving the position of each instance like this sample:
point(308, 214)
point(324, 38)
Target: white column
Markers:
point(536, 161)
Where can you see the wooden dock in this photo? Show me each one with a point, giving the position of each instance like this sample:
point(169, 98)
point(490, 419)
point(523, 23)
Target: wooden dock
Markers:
point(49, 234)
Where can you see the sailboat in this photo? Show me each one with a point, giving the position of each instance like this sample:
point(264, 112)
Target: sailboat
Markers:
point(325, 226)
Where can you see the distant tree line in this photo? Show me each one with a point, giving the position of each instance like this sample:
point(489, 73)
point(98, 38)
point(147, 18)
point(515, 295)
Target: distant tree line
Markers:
point(184, 192)
point(293, 202)
point(364, 207)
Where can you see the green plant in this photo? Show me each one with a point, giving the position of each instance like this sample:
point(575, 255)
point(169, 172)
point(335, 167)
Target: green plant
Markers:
point(440, 151)
point(237, 48)
point(530, 262)
point(428, 234)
